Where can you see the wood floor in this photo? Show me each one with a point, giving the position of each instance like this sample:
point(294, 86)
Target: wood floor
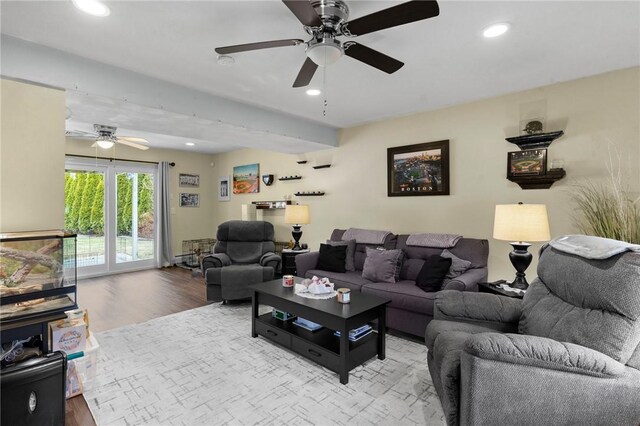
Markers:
point(118, 300)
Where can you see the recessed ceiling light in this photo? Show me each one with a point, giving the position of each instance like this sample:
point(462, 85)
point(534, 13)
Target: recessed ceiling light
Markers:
point(496, 30)
point(313, 92)
point(92, 7)
point(189, 144)
point(226, 60)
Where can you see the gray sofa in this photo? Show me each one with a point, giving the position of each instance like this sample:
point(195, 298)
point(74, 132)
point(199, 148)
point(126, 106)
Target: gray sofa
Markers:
point(411, 308)
point(567, 354)
point(243, 255)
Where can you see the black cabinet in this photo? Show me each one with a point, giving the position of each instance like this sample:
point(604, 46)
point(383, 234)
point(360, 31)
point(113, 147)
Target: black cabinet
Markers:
point(289, 261)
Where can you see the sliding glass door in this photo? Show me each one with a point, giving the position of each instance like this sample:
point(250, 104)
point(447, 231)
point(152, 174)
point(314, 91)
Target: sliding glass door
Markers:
point(117, 232)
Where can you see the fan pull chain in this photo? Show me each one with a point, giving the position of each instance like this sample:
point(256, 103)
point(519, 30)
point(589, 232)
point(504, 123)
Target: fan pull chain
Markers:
point(324, 90)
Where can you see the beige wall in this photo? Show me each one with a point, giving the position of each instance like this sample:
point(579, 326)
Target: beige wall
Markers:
point(31, 157)
point(187, 223)
point(594, 113)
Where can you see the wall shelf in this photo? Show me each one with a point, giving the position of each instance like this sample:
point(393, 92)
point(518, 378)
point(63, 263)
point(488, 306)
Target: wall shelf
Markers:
point(302, 162)
point(539, 181)
point(323, 166)
point(534, 141)
point(269, 205)
point(296, 177)
point(309, 194)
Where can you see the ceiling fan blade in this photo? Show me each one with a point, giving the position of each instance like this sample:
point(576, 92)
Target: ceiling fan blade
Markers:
point(257, 46)
point(79, 134)
point(305, 13)
point(373, 57)
point(401, 14)
point(306, 73)
point(133, 139)
point(134, 145)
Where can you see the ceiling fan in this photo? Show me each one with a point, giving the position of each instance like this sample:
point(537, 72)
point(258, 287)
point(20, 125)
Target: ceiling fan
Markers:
point(325, 20)
point(105, 137)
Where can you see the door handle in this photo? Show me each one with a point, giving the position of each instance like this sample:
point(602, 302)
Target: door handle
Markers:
point(314, 353)
point(273, 333)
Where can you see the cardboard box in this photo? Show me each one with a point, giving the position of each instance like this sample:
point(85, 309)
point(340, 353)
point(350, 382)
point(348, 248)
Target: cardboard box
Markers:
point(68, 336)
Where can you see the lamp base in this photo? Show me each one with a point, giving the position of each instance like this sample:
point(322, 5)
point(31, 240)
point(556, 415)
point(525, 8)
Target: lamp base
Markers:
point(296, 233)
point(520, 259)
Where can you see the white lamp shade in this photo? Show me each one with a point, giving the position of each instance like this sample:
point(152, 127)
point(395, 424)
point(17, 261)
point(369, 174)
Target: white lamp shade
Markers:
point(521, 222)
point(297, 214)
point(105, 144)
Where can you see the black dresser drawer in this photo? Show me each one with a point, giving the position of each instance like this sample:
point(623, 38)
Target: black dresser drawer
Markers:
point(317, 354)
point(274, 334)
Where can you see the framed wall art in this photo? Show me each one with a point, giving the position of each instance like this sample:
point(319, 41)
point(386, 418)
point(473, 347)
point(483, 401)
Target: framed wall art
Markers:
point(528, 162)
point(188, 180)
point(420, 169)
point(223, 188)
point(246, 179)
point(189, 200)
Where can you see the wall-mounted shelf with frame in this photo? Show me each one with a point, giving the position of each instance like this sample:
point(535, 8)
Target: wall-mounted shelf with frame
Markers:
point(295, 177)
point(539, 181)
point(270, 205)
point(309, 194)
point(536, 140)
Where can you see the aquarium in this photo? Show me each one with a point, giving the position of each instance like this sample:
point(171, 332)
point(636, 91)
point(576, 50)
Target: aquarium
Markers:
point(37, 274)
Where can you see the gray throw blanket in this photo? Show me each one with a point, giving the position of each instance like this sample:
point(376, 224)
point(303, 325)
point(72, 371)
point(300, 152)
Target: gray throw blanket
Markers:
point(365, 236)
point(591, 247)
point(433, 240)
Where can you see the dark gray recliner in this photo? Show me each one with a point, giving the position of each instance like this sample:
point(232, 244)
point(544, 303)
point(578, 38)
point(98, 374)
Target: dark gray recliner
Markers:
point(567, 354)
point(244, 254)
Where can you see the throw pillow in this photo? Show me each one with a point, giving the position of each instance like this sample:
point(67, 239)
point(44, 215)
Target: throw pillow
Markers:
point(432, 274)
point(351, 251)
point(383, 265)
point(332, 258)
point(458, 266)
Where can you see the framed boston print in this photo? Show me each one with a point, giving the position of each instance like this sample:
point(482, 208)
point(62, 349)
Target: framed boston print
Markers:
point(420, 169)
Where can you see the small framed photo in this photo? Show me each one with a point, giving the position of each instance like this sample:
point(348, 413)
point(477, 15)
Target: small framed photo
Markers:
point(188, 180)
point(527, 162)
point(189, 200)
point(223, 188)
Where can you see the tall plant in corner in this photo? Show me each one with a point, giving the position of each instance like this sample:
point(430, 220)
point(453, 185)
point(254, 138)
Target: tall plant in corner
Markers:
point(608, 209)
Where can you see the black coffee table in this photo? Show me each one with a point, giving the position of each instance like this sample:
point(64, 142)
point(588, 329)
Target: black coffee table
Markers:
point(322, 346)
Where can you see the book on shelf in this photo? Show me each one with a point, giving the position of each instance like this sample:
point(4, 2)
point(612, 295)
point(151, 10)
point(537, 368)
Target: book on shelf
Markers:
point(357, 333)
point(282, 315)
point(307, 325)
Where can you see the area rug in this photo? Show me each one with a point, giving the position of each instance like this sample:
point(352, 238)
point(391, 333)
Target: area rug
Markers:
point(202, 367)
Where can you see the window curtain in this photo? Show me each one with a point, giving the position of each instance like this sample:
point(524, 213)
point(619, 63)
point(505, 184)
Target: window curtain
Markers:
point(164, 215)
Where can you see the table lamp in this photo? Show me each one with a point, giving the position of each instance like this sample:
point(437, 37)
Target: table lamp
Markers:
point(519, 223)
point(296, 215)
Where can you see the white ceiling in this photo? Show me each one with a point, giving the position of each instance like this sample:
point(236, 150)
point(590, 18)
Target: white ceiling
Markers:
point(447, 61)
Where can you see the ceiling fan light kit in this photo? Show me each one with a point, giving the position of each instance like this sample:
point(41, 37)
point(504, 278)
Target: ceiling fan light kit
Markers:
point(325, 20)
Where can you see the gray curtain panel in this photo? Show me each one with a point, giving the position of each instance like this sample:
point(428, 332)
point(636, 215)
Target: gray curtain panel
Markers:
point(164, 215)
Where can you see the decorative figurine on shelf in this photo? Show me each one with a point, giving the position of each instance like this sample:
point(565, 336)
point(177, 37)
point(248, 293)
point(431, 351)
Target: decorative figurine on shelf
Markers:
point(533, 127)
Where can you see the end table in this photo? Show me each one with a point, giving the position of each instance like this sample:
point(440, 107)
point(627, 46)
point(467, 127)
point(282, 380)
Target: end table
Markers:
point(289, 260)
point(494, 289)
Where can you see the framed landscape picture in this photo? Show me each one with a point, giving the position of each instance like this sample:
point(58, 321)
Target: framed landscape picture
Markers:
point(246, 179)
point(188, 180)
point(420, 169)
point(223, 188)
point(527, 162)
point(189, 200)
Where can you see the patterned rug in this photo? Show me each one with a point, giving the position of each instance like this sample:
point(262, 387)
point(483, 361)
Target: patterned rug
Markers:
point(202, 367)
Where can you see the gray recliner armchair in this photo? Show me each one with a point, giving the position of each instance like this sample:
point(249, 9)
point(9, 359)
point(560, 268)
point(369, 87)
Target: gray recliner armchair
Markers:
point(567, 354)
point(244, 254)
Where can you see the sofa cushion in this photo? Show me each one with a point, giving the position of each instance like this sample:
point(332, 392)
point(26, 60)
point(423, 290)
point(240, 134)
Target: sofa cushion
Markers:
point(361, 249)
point(458, 266)
point(382, 265)
point(351, 248)
point(432, 273)
point(349, 279)
point(332, 258)
point(404, 295)
point(436, 327)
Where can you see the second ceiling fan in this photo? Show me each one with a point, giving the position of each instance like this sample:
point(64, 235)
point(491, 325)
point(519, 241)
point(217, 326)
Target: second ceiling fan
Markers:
point(325, 20)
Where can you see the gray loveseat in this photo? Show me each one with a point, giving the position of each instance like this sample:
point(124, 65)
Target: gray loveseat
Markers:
point(411, 308)
point(567, 354)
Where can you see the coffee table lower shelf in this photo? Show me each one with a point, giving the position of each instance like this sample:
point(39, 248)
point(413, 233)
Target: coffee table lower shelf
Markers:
point(320, 346)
